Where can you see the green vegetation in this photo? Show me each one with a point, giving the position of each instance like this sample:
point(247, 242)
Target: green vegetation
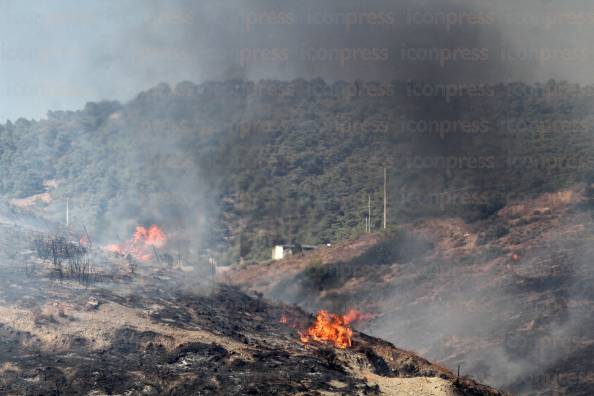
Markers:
point(241, 169)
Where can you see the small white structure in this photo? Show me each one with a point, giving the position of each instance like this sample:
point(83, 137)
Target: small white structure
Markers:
point(278, 252)
point(281, 251)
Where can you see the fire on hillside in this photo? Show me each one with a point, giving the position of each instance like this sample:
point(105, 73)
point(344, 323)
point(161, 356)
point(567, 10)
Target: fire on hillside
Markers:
point(333, 328)
point(142, 244)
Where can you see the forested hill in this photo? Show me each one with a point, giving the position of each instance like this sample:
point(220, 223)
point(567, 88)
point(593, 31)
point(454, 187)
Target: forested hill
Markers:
point(239, 166)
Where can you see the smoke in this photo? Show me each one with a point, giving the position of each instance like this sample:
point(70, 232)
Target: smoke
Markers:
point(455, 40)
point(71, 52)
point(333, 40)
point(519, 327)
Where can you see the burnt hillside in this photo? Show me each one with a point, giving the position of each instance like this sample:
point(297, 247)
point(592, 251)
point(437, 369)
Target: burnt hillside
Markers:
point(509, 297)
point(163, 330)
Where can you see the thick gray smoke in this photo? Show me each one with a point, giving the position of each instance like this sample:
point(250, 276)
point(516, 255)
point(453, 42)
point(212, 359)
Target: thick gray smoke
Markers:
point(60, 56)
point(452, 40)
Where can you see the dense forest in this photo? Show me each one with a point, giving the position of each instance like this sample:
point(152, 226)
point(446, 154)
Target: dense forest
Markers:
point(237, 166)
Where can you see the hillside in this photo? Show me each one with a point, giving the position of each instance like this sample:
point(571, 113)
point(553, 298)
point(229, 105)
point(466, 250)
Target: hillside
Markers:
point(236, 166)
point(163, 330)
point(508, 297)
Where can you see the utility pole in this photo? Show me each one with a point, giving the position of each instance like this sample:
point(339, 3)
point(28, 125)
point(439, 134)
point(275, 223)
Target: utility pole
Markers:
point(67, 214)
point(289, 218)
point(385, 197)
point(369, 212)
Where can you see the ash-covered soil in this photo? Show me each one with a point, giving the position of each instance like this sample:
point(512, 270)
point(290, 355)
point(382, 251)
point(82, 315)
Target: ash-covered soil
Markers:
point(164, 331)
point(167, 331)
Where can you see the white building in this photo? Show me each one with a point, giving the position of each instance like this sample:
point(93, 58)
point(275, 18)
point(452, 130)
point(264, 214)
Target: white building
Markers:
point(281, 251)
point(278, 252)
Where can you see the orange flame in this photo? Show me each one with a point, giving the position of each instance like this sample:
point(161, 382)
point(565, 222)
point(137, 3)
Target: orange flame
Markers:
point(290, 322)
point(329, 328)
point(354, 315)
point(141, 244)
point(153, 236)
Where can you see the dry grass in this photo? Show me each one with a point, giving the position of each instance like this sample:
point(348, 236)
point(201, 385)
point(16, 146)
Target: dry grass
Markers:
point(412, 386)
point(277, 270)
point(99, 326)
point(545, 203)
point(29, 201)
point(9, 367)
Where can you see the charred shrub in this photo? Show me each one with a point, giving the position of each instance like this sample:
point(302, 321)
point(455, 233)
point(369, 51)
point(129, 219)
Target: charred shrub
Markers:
point(68, 259)
point(320, 277)
point(395, 247)
point(473, 213)
point(500, 231)
point(207, 351)
point(42, 319)
point(328, 355)
point(380, 366)
point(128, 340)
point(398, 246)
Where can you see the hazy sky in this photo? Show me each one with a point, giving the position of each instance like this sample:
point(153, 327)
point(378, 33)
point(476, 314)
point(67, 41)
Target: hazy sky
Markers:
point(59, 54)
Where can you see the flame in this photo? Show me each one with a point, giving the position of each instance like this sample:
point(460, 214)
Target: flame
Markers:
point(153, 236)
point(284, 319)
point(141, 245)
point(329, 328)
point(354, 315)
